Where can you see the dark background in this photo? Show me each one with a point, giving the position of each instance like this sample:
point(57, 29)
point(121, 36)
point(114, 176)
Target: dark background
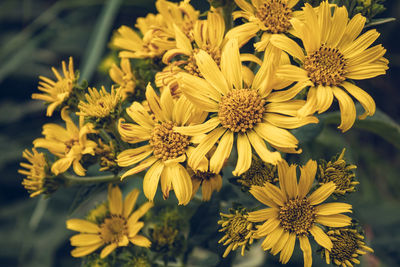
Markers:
point(38, 34)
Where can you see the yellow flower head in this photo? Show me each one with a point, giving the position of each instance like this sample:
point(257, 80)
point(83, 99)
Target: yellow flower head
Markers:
point(116, 230)
point(99, 104)
point(124, 78)
point(57, 92)
point(68, 144)
point(251, 113)
point(239, 231)
point(269, 16)
point(108, 156)
point(36, 172)
point(165, 149)
point(334, 53)
point(339, 172)
point(294, 213)
point(259, 173)
point(208, 180)
point(348, 246)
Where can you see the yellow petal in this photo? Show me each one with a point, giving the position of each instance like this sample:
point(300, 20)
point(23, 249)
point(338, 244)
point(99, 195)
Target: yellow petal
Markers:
point(336, 220)
point(140, 241)
point(281, 243)
point(134, 155)
point(61, 165)
point(205, 127)
point(244, 154)
point(154, 103)
point(129, 202)
point(140, 167)
point(107, 250)
point(82, 226)
point(134, 228)
point(290, 93)
point(276, 136)
point(137, 214)
point(222, 152)
point(115, 200)
point(231, 65)
point(287, 250)
point(363, 97)
point(324, 98)
point(82, 240)
point(262, 215)
point(321, 238)
point(347, 109)
point(307, 252)
point(288, 45)
point(181, 183)
point(307, 177)
point(332, 208)
point(150, 181)
point(83, 251)
point(268, 227)
point(272, 238)
point(322, 193)
point(139, 114)
point(260, 194)
point(274, 193)
point(261, 149)
point(289, 122)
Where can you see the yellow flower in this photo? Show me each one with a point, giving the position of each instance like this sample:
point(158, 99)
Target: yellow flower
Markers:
point(36, 172)
point(57, 92)
point(68, 144)
point(239, 231)
point(333, 55)
point(348, 245)
point(339, 172)
point(164, 150)
point(269, 16)
point(208, 180)
point(244, 112)
point(154, 42)
point(116, 230)
point(99, 104)
point(292, 213)
point(124, 78)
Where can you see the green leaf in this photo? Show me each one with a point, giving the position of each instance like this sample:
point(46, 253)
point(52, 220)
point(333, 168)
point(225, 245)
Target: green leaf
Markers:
point(380, 124)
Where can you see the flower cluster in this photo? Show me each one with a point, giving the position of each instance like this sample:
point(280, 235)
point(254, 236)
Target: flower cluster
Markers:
point(210, 108)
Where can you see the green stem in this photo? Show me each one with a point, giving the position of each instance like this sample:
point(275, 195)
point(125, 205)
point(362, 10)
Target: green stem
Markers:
point(72, 179)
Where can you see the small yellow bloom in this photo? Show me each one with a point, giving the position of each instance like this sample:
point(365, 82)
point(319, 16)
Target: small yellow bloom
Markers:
point(164, 150)
point(68, 144)
point(239, 231)
point(334, 54)
point(339, 172)
point(293, 213)
point(57, 92)
point(124, 78)
point(108, 156)
point(259, 173)
point(348, 246)
point(271, 17)
point(36, 172)
point(249, 114)
point(116, 230)
point(99, 104)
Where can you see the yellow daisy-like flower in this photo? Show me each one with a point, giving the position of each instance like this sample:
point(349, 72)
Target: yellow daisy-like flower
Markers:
point(333, 55)
point(123, 77)
point(69, 144)
point(165, 149)
point(153, 43)
point(36, 172)
point(239, 231)
point(292, 213)
point(348, 246)
point(116, 230)
point(99, 104)
point(269, 16)
point(57, 92)
point(241, 112)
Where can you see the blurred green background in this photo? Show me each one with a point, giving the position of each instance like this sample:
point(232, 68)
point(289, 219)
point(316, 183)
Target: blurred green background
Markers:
point(38, 34)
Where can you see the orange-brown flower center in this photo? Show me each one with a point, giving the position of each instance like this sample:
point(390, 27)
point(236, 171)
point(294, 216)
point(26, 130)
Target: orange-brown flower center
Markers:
point(326, 66)
point(297, 216)
point(166, 143)
point(275, 14)
point(113, 229)
point(241, 109)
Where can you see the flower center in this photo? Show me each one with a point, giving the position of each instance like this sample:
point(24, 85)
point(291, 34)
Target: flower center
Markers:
point(191, 65)
point(238, 228)
point(297, 216)
point(326, 66)
point(345, 246)
point(275, 15)
point(259, 173)
point(241, 109)
point(167, 143)
point(113, 229)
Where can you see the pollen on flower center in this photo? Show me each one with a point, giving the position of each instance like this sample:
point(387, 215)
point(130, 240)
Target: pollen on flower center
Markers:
point(113, 229)
point(167, 143)
point(297, 216)
point(275, 14)
point(241, 109)
point(326, 66)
